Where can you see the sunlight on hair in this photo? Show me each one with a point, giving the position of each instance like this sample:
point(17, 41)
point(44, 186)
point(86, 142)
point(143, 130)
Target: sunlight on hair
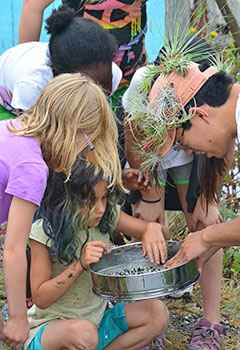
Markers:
point(69, 105)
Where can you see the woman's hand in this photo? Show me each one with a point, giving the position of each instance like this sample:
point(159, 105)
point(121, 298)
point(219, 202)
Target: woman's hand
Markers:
point(93, 252)
point(153, 243)
point(192, 247)
point(202, 217)
point(150, 212)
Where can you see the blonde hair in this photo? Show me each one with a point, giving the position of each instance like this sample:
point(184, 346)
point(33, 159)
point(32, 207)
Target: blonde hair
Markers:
point(69, 105)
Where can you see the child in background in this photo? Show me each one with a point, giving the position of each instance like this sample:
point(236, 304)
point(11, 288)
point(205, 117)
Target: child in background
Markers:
point(71, 114)
point(75, 221)
point(126, 20)
point(75, 46)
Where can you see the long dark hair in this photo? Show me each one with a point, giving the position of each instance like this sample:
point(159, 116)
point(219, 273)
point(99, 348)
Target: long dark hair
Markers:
point(67, 206)
point(214, 93)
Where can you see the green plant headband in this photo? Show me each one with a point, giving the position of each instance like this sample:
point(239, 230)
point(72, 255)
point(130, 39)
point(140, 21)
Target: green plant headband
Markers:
point(154, 111)
point(156, 115)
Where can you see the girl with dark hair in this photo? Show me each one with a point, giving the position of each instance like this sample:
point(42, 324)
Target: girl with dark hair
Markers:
point(74, 223)
point(125, 19)
point(75, 46)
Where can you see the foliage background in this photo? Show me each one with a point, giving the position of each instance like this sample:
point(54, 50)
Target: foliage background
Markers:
point(186, 311)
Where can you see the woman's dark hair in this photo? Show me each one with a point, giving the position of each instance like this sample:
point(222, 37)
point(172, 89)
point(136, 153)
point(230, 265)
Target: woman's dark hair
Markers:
point(76, 43)
point(67, 207)
point(214, 93)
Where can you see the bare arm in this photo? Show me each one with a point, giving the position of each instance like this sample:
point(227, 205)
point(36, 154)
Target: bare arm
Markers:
point(20, 218)
point(45, 289)
point(151, 234)
point(223, 235)
point(207, 242)
point(146, 211)
point(31, 19)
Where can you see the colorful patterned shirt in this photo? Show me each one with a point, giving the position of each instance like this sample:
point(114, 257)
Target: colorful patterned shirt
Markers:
point(127, 21)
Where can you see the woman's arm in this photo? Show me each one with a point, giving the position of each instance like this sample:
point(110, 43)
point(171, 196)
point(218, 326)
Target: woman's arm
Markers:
point(207, 241)
point(20, 219)
point(45, 289)
point(151, 234)
point(31, 20)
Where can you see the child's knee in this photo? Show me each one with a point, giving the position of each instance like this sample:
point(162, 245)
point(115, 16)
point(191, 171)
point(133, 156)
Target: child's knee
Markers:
point(85, 333)
point(158, 314)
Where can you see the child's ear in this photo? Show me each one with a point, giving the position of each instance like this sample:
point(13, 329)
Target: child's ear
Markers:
point(199, 112)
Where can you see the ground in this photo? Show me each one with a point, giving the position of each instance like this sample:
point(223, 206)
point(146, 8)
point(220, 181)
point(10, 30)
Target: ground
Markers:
point(185, 312)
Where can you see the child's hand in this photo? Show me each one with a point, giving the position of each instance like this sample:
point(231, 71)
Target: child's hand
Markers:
point(153, 243)
point(15, 332)
point(135, 179)
point(93, 252)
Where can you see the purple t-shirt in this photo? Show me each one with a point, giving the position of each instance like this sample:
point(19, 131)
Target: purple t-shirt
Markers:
point(23, 172)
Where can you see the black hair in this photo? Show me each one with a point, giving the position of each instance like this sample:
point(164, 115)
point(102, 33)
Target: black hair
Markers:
point(215, 93)
point(67, 206)
point(77, 43)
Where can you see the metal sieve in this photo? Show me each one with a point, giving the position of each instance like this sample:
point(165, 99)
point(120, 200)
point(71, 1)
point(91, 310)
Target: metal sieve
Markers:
point(125, 275)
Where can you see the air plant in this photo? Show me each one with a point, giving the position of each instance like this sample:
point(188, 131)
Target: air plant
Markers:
point(153, 119)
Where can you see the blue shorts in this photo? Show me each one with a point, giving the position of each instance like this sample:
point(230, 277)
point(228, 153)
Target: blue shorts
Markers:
point(112, 325)
point(36, 342)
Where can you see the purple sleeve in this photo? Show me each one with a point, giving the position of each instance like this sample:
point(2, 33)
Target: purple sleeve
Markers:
point(28, 181)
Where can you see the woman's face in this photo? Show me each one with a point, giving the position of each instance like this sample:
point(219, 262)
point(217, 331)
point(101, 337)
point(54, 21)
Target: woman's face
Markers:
point(100, 194)
point(204, 136)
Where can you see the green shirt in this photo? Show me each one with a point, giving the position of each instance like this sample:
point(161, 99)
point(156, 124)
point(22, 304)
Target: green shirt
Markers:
point(79, 301)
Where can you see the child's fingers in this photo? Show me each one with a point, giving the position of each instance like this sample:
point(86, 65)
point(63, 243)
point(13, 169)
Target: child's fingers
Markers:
point(160, 252)
point(156, 254)
point(108, 251)
point(162, 248)
point(94, 251)
point(100, 244)
point(92, 256)
point(149, 253)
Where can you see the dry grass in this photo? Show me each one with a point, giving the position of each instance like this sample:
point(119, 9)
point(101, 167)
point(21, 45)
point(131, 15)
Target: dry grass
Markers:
point(185, 312)
point(191, 310)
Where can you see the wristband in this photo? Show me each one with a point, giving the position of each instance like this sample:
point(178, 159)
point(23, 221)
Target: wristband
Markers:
point(146, 201)
point(80, 260)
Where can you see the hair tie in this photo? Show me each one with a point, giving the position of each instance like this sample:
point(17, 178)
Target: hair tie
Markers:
point(80, 260)
point(146, 201)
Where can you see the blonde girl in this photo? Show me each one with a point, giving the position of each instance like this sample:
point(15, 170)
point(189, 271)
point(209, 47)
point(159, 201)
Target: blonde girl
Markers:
point(70, 116)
